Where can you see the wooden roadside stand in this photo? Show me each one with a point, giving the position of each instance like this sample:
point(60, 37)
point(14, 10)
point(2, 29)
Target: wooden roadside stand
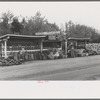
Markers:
point(78, 41)
point(32, 46)
point(79, 45)
point(52, 40)
point(14, 43)
point(55, 39)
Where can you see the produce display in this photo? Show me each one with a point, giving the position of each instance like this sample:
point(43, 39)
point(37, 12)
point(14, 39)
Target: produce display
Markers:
point(16, 58)
point(93, 48)
point(18, 45)
point(9, 61)
point(90, 49)
point(80, 52)
point(55, 54)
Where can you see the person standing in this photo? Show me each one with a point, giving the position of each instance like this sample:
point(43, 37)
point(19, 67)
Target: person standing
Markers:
point(72, 51)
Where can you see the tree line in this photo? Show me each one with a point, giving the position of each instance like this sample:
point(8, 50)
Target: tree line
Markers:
point(82, 31)
point(9, 24)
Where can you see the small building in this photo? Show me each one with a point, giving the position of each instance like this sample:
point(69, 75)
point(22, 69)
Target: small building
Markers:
point(52, 40)
point(78, 46)
point(14, 43)
point(78, 42)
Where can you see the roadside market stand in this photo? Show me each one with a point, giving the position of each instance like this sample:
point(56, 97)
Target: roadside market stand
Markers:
point(32, 46)
point(54, 42)
point(11, 43)
point(14, 49)
point(79, 45)
point(52, 39)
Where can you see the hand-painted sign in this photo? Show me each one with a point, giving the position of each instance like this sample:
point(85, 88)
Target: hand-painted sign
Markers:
point(48, 33)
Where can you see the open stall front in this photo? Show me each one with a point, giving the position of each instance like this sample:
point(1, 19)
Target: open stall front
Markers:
point(79, 45)
point(53, 43)
point(14, 43)
point(14, 49)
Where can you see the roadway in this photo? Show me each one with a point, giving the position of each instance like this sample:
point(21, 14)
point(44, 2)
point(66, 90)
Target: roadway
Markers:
point(80, 68)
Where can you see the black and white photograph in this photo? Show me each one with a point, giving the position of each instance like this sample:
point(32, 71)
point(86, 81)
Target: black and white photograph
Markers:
point(49, 49)
point(49, 41)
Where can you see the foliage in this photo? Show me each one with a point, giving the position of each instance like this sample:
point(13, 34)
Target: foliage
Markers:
point(4, 24)
point(16, 26)
point(38, 23)
point(81, 31)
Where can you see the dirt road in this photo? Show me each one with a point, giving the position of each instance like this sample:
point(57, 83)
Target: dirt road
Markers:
point(80, 68)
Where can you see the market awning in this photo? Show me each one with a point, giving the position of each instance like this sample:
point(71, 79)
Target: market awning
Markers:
point(13, 36)
point(79, 39)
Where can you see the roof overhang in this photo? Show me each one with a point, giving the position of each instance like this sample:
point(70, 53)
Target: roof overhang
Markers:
point(7, 36)
point(81, 39)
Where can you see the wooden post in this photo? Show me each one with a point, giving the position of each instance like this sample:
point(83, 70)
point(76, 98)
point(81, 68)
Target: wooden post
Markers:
point(61, 46)
point(65, 48)
point(76, 43)
point(41, 45)
point(2, 48)
point(5, 48)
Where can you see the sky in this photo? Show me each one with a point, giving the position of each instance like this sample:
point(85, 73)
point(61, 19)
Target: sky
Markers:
point(85, 13)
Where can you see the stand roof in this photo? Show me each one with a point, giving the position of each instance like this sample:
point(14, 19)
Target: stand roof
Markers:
point(13, 36)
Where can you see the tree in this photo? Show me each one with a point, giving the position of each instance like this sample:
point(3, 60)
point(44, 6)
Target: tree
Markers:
point(81, 31)
point(38, 23)
point(7, 16)
point(5, 20)
point(16, 26)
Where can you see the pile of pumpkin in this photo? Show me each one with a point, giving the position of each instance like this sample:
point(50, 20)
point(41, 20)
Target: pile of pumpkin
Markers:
point(93, 48)
point(9, 61)
point(17, 58)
